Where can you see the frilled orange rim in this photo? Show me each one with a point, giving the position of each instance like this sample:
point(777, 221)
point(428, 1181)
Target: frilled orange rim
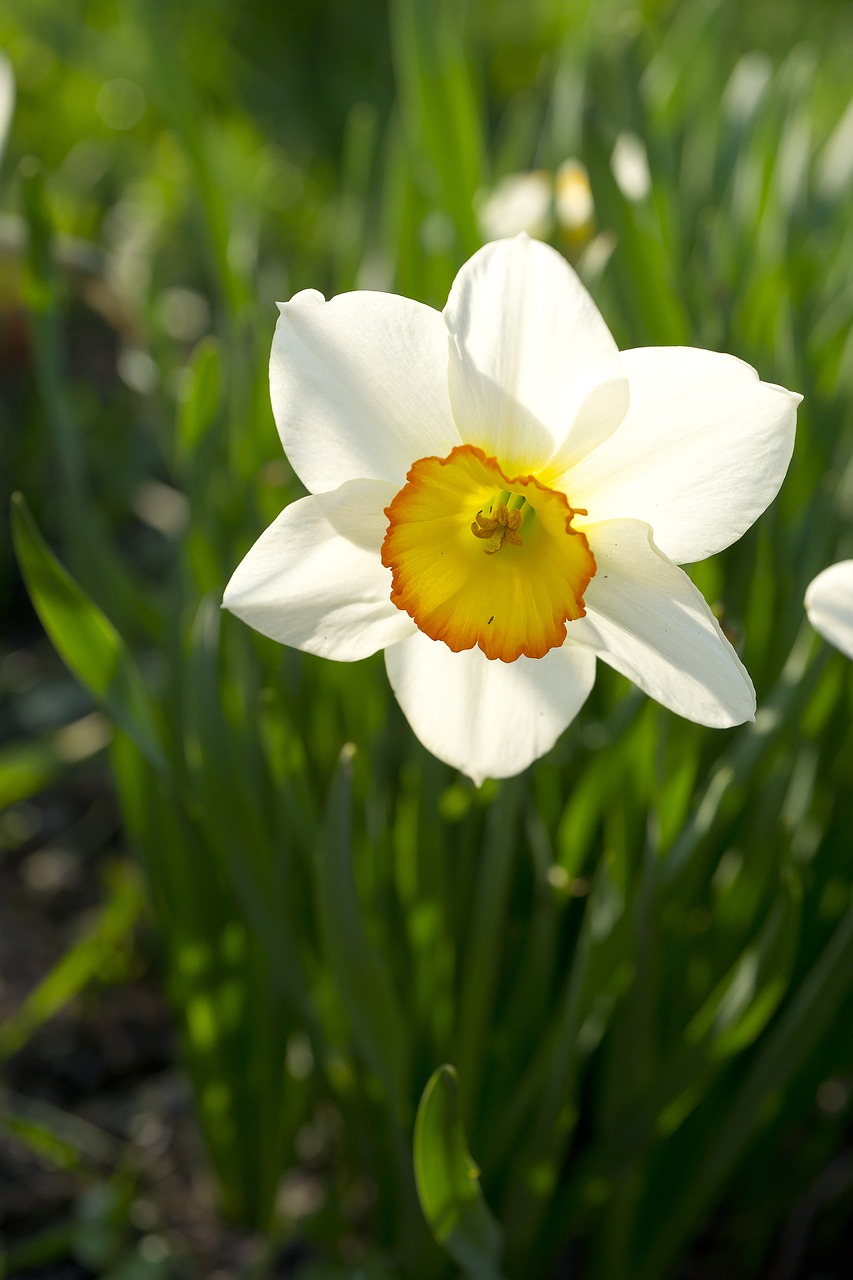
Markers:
point(481, 558)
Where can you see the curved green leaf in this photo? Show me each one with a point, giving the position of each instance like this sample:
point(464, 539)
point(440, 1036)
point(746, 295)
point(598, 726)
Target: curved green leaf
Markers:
point(740, 1007)
point(89, 957)
point(200, 404)
point(448, 1182)
point(84, 637)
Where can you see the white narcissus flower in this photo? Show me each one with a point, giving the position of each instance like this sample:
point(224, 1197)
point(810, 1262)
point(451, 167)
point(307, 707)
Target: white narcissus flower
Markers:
point(535, 201)
point(497, 497)
point(518, 202)
point(7, 100)
point(829, 604)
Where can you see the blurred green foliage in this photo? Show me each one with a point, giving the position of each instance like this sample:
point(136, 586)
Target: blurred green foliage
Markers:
point(639, 955)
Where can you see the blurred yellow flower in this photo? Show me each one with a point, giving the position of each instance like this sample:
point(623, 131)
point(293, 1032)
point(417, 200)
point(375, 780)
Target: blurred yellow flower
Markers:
point(573, 199)
point(539, 203)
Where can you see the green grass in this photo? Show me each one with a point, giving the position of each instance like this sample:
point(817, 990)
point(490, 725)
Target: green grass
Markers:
point(638, 956)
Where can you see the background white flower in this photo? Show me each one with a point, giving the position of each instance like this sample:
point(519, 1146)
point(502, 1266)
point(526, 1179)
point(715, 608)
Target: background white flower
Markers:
point(654, 457)
point(629, 164)
point(7, 100)
point(829, 604)
point(518, 202)
point(538, 202)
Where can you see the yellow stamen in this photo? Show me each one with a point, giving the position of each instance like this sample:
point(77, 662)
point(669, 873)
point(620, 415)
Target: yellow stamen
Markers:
point(498, 528)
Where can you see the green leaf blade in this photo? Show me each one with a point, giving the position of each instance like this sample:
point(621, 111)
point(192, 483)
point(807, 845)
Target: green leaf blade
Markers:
point(360, 972)
point(84, 637)
point(448, 1182)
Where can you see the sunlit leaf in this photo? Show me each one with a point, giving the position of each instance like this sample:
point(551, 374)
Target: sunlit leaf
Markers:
point(200, 401)
point(448, 1182)
point(84, 637)
point(744, 1001)
point(85, 960)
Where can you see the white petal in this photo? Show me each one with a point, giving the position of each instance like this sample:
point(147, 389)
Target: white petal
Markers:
point(359, 387)
point(314, 579)
point(701, 452)
point(7, 100)
point(829, 604)
point(534, 371)
point(646, 619)
point(489, 719)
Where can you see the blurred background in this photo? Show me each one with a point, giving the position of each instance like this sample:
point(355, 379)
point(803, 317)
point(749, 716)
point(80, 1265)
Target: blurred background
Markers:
point(244, 917)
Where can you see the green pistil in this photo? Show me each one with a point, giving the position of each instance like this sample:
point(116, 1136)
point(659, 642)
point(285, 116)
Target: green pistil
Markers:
point(512, 502)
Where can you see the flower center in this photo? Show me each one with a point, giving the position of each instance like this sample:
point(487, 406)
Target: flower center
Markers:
point(502, 522)
point(456, 586)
